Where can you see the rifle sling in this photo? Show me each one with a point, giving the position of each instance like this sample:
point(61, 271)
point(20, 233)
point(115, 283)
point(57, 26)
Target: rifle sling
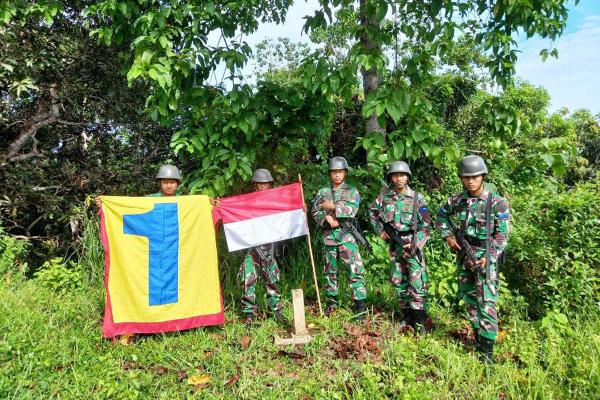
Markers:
point(415, 226)
point(263, 257)
point(488, 228)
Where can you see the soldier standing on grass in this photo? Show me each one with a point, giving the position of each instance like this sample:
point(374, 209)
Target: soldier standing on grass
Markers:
point(401, 216)
point(333, 205)
point(261, 258)
point(483, 219)
point(169, 179)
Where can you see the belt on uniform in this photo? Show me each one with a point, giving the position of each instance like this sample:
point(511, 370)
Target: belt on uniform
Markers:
point(475, 242)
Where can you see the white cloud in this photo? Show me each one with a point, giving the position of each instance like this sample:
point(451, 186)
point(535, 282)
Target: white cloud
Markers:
point(573, 80)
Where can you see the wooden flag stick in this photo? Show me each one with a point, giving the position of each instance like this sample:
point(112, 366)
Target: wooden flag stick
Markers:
point(312, 258)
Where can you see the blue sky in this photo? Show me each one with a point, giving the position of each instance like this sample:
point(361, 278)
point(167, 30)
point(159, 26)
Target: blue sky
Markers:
point(573, 80)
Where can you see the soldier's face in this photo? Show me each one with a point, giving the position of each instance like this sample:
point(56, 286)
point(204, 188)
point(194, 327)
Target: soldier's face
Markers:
point(472, 183)
point(168, 187)
point(260, 186)
point(399, 180)
point(337, 176)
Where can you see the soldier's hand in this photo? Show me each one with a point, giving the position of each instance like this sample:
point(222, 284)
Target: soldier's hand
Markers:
point(482, 262)
point(327, 205)
point(469, 265)
point(215, 202)
point(451, 240)
point(406, 250)
point(384, 236)
point(99, 201)
point(333, 223)
point(305, 208)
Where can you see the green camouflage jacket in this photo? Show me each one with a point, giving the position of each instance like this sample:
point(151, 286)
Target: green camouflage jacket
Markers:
point(398, 209)
point(347, 200)
point(469, 214)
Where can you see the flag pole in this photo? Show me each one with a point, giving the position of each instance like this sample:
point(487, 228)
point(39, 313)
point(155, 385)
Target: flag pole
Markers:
point(310, 251)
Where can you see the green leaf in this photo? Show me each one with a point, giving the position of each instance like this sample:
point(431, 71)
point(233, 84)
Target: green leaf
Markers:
point(398, 149)
point(164, 42)
point(147, 56)
point(135, 71)
point(548, 159)
point(435, 7)
point(154, 114)
point(381, 10)
point(394, 112)
point(418, 135)
point(173, 103)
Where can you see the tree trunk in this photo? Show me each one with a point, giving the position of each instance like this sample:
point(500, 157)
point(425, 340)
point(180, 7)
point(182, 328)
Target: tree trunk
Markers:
point(371, 77)
point(30, 127)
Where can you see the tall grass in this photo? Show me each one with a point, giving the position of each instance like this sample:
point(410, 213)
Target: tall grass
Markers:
point(50, 347)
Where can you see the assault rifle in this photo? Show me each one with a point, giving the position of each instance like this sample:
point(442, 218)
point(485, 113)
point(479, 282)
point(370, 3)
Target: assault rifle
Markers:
point(349, 225)
point(398, 238)
point(464, 245)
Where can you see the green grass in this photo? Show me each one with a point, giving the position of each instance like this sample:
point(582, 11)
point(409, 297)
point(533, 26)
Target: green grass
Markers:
point(50, 347)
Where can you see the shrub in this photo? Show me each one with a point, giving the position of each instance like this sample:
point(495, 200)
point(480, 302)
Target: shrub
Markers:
point(60, 275)
point(553, 255)
point(12, 253)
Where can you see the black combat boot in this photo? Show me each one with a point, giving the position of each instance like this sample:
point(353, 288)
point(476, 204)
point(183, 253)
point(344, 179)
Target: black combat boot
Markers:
point(477, 343)
point(360, 310)
point(331, 306)
point(278, 316)
point(407, 318)
point(419, 322)
point(486, 350)
point(248, 319)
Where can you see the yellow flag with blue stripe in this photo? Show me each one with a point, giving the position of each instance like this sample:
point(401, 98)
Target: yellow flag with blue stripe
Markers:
point(161, 268)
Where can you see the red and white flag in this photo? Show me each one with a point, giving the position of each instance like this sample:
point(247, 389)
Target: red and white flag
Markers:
point(263, 217)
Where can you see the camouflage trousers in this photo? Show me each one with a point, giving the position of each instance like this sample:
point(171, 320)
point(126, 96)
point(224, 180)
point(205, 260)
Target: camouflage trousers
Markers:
point(349, 255)
point(409, 279)
point(480, 298)
point(270, 272)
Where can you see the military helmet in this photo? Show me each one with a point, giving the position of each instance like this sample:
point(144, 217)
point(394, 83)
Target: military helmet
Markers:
point(338, 163)
point(472, 165)
point(398, 166)
point(168, 172)
point(262, 175)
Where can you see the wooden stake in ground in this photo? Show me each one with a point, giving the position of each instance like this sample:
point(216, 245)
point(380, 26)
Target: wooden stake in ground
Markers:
point(299, 318)
point(300, 335)
point(312, 258)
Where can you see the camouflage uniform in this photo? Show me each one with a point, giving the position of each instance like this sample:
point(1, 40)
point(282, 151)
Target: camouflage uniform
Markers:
point(408, 275)
point(270, 272)
point(340, 242)
point(479, 295)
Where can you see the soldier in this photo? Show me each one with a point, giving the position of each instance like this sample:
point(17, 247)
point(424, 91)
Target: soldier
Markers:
point(335, 206)
point(261, 258)
point(168, 178)
point(401, 216)
point(483, 218)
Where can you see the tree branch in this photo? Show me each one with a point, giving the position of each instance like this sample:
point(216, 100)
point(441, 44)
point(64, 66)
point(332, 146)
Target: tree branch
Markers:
point(30, 127)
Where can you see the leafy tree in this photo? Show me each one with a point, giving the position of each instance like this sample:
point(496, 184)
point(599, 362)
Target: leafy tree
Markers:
point(424, 32)
point(171, 51)
point(67, 119)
